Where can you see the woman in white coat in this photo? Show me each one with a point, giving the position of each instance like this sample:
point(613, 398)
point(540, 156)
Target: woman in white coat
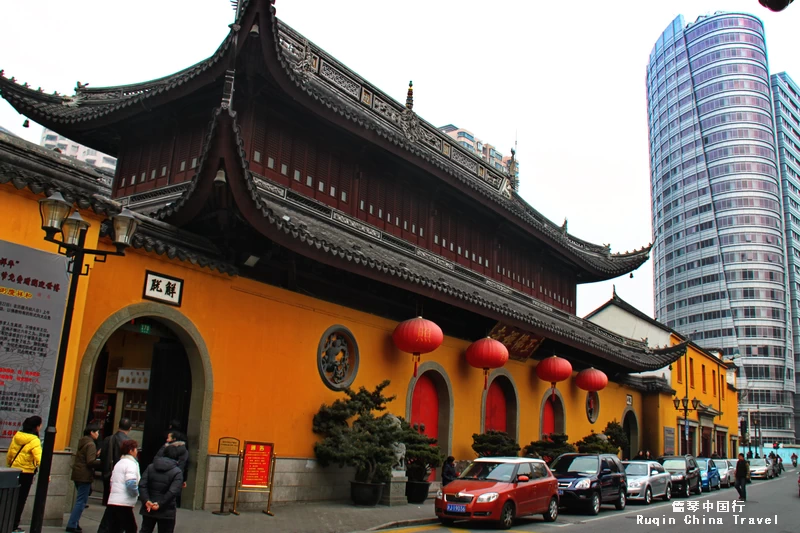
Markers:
point(124, 491)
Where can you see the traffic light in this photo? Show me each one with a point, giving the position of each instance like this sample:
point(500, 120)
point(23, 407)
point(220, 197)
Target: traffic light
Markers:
point(775, 445)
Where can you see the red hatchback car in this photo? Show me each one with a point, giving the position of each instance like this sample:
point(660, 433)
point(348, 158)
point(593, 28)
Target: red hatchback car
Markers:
point(499, 489)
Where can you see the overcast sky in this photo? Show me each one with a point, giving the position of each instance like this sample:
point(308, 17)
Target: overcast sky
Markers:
point(566, 78)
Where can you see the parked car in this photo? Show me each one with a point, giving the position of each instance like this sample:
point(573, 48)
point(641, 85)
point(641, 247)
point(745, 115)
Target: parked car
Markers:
point(709, 474)
point(685, 473)
point(499, 489)
point(727, 472)
point(760, 468)
point(588, 480)
point(646, 480)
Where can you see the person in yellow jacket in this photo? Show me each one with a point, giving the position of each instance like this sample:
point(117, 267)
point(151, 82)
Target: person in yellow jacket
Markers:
point(25, 453)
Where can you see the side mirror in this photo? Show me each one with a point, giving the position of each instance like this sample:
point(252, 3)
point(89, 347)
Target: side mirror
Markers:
point(653, 472)
point(606, 471)
point(523, 478)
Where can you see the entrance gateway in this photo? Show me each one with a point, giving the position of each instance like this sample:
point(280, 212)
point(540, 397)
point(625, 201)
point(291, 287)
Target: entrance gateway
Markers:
point(162, 350)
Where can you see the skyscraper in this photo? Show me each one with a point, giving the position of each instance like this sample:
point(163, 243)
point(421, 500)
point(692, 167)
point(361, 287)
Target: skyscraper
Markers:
point(786, 94)
point(719, 252)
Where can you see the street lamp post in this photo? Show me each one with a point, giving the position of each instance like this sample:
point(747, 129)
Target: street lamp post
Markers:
point(56, 218)
point(683, 403)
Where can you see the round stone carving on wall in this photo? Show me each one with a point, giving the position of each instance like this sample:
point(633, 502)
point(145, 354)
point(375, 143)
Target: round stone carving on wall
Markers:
point(337, 358)
point(592, 406)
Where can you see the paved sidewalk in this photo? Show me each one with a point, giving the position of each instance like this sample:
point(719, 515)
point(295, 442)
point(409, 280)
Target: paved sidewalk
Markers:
point(316, 517)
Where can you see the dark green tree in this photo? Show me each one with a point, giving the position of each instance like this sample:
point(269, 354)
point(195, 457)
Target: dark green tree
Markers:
point(550, 448)
point(616, 434)
point(355, 433)
point(422, 454)
point(594, 443)
point(494, 444)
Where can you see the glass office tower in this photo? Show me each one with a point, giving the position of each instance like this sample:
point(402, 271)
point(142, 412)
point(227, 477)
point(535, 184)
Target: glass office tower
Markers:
point(717, 208)
point(786, 95)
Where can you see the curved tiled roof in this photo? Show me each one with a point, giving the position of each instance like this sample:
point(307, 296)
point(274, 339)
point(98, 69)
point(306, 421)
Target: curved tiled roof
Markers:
point(330, 83)
point(27, 166)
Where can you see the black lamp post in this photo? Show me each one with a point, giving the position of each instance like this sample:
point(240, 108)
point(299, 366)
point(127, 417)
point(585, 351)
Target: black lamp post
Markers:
point(683, 403)
point(56, 218)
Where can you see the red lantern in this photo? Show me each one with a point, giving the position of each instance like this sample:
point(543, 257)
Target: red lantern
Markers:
point(417, 336)
point(591, 380)
point(554, 369)
point(487, 353)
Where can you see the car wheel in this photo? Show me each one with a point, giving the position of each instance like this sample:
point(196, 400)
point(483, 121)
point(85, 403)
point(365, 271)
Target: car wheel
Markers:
point(594, 504)
point(648, 496)
point(621, 500)
point(552, 511)
point(667, 494)
point(507, 516)
point(687, 490)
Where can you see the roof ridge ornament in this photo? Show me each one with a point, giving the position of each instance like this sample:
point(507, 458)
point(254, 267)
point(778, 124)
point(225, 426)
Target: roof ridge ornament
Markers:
point(304, 66)
point(72, 101)
point(409, 121)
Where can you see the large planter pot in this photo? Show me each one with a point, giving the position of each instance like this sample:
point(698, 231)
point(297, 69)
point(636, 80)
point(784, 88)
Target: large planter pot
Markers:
point(417, 491)
point(368, 494)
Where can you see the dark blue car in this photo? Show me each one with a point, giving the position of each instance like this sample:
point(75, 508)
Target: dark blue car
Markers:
point(709, 474)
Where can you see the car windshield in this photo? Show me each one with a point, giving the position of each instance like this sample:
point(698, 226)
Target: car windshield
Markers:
point(583, 464)
point(637, 469)
point(489, 471)
point(758, 462)
point(674, 464)
point(702, 463)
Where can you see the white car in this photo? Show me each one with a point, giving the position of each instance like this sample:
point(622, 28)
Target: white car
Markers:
point(760, 469)
point(647, 480)
point(727, 472)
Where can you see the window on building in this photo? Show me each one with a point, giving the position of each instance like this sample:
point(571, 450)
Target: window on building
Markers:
point(679, 363)
point(714, 382)
point(703, 369)
point(691, 372)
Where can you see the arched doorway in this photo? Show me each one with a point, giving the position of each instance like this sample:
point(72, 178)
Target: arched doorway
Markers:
point(500, 405)
point(145, 356)
point(630, 425)
point(552, 414)
point(429, 402)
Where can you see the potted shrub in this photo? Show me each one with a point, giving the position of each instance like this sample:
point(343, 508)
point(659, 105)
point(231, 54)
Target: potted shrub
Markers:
point(354, 433)
point(494, 444)
point(550, 447)
point(422, 455)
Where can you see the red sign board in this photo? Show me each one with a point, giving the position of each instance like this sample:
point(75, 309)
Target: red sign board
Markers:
point(256, 464)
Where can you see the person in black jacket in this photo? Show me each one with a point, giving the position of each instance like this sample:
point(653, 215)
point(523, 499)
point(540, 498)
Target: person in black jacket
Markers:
point(175, 439)
point(742, 473)
point(449, 470)
point(158, 489)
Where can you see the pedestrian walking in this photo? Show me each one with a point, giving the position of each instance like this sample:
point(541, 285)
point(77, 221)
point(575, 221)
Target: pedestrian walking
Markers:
point(175, 439)
point(742, 473)
point(118, 516)
point(111, 454)
point(83, 468)
point(159, 490)
point(25, 453)
point(449, 470)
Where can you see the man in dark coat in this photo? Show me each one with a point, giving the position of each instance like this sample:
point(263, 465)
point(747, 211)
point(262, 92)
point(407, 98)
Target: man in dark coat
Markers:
point(175, 439)
point(159, 487)
point(742, 473)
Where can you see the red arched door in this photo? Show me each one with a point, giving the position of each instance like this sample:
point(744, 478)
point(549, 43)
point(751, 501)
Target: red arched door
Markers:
point(425, 407)
point(496, 408)
point(548, 418)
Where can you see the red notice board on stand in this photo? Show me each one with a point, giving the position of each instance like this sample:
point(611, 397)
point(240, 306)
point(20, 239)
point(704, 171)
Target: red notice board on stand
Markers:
point(256, 470)
point(256, 464)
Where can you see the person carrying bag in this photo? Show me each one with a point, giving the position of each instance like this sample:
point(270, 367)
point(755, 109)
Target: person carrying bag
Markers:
point(25, 453)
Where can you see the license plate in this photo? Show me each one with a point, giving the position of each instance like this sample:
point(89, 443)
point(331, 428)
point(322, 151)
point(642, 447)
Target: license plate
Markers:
point(560, 492)
point(453, 508)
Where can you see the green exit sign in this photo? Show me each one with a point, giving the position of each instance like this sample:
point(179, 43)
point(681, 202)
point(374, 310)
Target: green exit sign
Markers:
point(144, 328)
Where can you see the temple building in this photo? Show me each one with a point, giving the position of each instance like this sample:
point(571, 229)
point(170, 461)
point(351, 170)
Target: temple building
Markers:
point(290, 215)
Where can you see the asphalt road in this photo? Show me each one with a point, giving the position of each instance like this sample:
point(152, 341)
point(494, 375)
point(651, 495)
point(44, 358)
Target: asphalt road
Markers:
point(772, 506)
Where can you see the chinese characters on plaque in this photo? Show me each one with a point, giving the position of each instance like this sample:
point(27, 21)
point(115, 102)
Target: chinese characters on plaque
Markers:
point(256, 464)
point(33, 294)
point(161, 288)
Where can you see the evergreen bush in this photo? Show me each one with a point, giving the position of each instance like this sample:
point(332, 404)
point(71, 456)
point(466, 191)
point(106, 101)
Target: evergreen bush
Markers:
point(494, 444)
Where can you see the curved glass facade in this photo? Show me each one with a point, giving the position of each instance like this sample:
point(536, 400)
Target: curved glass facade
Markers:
point(717, 208)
